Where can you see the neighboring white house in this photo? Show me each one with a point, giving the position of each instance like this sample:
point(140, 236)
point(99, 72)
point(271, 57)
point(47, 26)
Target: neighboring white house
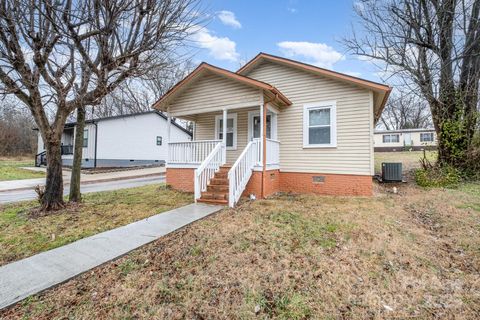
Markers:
point(275, 125)
point(122, 141)
point(405, 139)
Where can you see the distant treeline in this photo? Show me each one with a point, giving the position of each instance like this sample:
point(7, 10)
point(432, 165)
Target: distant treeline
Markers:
point(17, 136)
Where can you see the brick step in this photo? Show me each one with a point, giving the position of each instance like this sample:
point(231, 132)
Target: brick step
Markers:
point(221, 175)
point(217, 188)
point(219, 181)
point(214, 195)
point(213, 201)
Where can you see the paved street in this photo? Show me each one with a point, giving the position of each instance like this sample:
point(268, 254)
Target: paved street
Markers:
point(29, 194)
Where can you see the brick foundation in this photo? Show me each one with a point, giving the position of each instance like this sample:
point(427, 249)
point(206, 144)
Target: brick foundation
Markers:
point(181, 179)
point(272, 183)
point(276, 181)
point(327, 184)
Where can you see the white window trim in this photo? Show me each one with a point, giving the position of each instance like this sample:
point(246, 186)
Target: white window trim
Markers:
point(235, 131)
point(252, 114)
point(332, 105)
point(430, 134)
point(390, 135)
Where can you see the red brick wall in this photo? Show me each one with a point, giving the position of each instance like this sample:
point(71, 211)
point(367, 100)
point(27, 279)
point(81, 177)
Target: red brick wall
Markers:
point(276, 181)
point(181, 179)
point(333, 184)
point(272, 183)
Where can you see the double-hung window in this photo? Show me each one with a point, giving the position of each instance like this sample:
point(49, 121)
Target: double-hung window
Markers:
point(85, 138)
point(426, 137)
point(319, 125)
point(391, 138)
point(231, 130)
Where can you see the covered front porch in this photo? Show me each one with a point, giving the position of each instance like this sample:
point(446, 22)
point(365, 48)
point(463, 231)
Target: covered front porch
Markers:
point(228, 147)
point(235, 134)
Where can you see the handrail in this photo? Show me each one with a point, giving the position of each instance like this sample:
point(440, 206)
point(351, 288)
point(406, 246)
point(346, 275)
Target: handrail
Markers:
point(208, 167)
point(273, 152)
point(190, 152)
point(241, 171)
point(39, 157)
point(197, 141)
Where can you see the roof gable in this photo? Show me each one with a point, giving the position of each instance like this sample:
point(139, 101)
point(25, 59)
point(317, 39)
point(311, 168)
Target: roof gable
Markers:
point(381, 91)
point(205, 69)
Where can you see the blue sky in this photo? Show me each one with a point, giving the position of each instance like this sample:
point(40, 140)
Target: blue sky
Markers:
point(305, 30)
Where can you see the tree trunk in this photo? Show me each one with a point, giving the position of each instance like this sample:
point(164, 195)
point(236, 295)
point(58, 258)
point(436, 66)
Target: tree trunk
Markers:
point(52, 198)
point(75, 195)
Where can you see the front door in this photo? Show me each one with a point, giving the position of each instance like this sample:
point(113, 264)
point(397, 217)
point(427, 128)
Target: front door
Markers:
point(407, 139)
point(255, 126)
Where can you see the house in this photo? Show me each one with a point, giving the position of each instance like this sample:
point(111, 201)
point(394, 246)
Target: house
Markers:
point(120, 141)
point(405, 139)
point(275, 125)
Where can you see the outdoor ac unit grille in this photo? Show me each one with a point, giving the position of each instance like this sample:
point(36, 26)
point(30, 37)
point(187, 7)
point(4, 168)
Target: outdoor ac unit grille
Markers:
point(391, 171)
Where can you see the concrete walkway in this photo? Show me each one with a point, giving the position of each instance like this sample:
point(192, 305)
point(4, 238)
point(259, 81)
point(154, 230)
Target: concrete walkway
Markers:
point(85, 178)
point(29, 276)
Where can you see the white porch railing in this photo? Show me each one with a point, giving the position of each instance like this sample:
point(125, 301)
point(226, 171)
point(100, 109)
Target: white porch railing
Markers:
point(190, 152)
point(241, 171)
point(207, 169)
point(273, 152)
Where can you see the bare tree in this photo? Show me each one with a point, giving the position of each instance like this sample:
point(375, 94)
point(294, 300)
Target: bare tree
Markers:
point(16, 134)
point(58, 56)
point(138, 95)
point(406, 111)
point(434, 47)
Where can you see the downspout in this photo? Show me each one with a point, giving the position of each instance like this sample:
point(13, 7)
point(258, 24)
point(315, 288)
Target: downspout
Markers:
point(96, 135)
point(264, 143)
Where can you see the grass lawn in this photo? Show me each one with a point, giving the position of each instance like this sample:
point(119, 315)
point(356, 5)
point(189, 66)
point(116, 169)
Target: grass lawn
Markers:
point(10, 169)
point(22, 236)
point(409, 159)
point(414, 254)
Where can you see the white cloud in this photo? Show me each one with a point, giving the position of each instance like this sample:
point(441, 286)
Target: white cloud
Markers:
point(292, 10)
point(353, 73)
point(318, 54)
point(221, 48)
point(228, 18)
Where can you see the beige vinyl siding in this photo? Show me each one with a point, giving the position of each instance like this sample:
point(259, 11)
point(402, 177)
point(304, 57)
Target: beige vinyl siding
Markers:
point(205, 129)
point(354, 135)
point(211, 93)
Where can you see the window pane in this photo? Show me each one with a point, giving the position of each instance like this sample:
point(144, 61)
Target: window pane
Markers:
point(85, 138)
point(256, 127)
point(319, 135)
point(319, 117)
point(230, 139)
point(269, 127)
point(395, 138)
point(229, 124)
point(386, 138)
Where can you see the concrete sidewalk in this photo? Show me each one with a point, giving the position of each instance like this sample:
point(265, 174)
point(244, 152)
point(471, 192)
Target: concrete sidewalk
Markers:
point(85, 178)
point(29, 276)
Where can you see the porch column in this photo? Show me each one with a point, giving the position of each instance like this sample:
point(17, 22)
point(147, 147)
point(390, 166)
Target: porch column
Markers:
point(169, 124)
point(224, 136)
point(264, 147)
point(260, 138)
point(224, 128)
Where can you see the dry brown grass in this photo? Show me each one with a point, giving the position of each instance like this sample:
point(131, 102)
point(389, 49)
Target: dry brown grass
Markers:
point(409, 255)
point(409, 159)
point(26, 231)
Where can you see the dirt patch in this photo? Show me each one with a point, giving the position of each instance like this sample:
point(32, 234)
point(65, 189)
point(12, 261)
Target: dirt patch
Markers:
point(294, 257)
